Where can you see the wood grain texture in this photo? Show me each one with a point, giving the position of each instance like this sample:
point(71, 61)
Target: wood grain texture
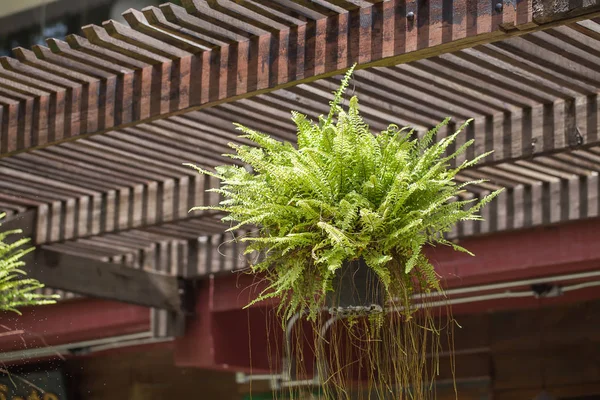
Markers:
point(549, 10)
point(103, 279)
point(173, 59)
point(123, 196)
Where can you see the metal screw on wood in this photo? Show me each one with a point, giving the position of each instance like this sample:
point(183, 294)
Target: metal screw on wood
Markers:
point(499, 7)
point(410, 16)
point(578, 137)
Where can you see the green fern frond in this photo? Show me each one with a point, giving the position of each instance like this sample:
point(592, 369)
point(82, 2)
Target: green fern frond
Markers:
point(344, 193)
point(15, 290)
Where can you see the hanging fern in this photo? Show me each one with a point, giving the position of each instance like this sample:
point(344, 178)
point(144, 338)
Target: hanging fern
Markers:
point(341, 194)
point(15, 289)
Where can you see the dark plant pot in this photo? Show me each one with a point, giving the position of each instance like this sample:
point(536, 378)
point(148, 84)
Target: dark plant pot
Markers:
point(357, 290)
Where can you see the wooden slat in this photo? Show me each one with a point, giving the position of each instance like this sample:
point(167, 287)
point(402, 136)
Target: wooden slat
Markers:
point(533, 111)
point(550, 200)
point(178, 59)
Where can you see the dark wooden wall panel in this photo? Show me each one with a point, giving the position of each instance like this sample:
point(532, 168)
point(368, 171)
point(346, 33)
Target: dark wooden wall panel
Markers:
point(147, 374)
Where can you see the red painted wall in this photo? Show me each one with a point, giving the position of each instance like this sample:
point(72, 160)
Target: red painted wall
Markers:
point(221, 335)
point(70, 321)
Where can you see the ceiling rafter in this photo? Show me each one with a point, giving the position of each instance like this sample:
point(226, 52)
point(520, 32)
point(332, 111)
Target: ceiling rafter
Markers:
point(172, 59)
point(144, 98)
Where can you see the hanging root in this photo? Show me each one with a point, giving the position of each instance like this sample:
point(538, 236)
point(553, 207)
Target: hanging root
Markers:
point(389, 355)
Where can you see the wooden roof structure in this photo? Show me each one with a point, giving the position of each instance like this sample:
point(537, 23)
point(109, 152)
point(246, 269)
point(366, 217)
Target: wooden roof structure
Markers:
point(94, 129)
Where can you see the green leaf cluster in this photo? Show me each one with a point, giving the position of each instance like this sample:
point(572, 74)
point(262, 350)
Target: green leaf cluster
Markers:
point(343, 193)
point(15, 289)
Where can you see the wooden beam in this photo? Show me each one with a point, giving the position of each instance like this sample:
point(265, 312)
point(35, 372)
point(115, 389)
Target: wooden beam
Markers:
point(25, 221)
point(556, 198)
point(162, 72)
point(95, 278)
point(523, 206)
point(104, 279)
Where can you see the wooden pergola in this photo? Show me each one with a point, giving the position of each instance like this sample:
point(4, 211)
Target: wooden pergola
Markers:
point(94, 129)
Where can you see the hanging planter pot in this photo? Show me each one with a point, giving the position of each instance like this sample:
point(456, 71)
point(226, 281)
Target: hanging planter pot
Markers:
point(357, 290)
point(343, 218)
